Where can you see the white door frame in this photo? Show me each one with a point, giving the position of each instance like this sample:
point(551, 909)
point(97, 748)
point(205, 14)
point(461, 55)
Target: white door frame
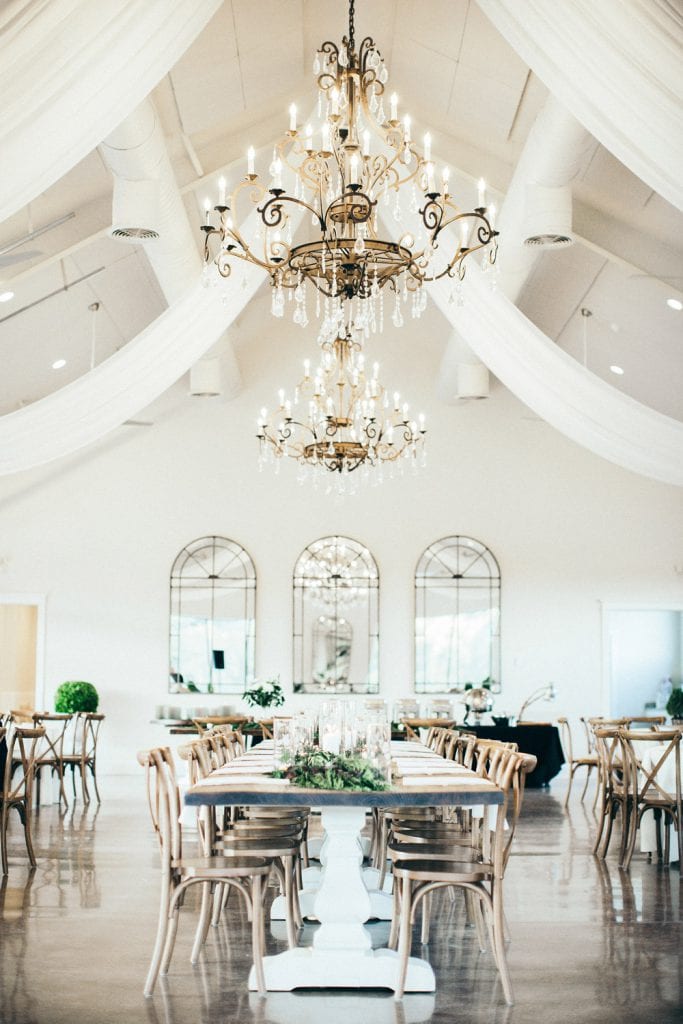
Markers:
point(39, 601)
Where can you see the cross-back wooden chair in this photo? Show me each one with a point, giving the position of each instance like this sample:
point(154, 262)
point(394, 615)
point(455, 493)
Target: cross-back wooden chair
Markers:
point(653, 784)
point(613, 788)
point(178, 873)
point(479, 871)
point(588, 761)
point(17, 781)
point(83, 755)
point(50, 751)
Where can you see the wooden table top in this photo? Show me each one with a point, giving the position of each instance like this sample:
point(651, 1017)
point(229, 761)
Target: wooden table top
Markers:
point(464, 789)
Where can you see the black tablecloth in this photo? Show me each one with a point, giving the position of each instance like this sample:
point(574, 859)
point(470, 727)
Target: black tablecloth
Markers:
point(541, 740)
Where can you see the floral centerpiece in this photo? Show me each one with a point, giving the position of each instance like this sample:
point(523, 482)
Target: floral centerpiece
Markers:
point(320, 769)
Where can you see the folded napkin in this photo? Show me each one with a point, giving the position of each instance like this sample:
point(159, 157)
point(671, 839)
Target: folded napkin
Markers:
point(242, 769)
point(442, 780)
point(241, 780)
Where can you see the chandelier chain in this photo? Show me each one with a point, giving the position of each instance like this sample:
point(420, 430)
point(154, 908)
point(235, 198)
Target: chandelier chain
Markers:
point(352, 25)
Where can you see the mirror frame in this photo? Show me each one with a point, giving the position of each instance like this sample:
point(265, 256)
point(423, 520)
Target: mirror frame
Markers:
point(302, 581)
point(484, 564)
point(246, 582)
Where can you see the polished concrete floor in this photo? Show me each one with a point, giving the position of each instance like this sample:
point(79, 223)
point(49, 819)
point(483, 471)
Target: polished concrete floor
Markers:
point(589, 943)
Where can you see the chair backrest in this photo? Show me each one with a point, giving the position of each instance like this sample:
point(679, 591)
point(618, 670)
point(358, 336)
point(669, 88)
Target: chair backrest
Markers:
point(164, 801)
point(90, 730)
point(653, 774)
point(51, 747)
point(590, 738)
point(17, 775)
point(199, 757)
point(566, 739)
point(647, 722)
point(610, 760)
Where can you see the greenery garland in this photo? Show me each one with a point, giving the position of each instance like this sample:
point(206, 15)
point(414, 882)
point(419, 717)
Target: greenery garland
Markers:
point(319, 769)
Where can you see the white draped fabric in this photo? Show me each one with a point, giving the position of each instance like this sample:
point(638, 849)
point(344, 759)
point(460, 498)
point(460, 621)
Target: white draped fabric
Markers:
point(617, 66)
point(560, 390)
point(87, 409)
point(71, 70)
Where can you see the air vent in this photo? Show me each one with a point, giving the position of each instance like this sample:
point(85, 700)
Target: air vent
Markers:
point(548, 241)
point(135, 233)
point(548, 217)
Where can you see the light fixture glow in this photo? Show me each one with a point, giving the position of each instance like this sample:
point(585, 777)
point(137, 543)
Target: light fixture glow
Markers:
point(6, 296)
point(616, 369)
point(671, 303)
point(58, 364)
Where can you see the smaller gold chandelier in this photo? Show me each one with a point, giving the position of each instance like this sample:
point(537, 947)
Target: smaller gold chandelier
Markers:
point(341, 418)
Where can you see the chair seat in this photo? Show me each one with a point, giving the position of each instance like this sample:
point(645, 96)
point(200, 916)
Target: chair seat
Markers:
point(269, 846)
point(443, 871)
point(425, 851)
point(222, 867)
point(589, 759)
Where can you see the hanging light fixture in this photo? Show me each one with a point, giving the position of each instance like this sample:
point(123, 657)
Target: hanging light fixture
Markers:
point(359, 156)
point(341, 418)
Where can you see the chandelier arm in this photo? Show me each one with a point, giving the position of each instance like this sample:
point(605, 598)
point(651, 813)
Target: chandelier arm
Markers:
point(326, 79)
point(274, 219)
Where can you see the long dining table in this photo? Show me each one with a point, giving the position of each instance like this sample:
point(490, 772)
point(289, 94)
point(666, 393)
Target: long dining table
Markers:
point(341, 954)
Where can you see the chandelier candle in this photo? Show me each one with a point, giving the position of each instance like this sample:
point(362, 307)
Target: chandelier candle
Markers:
point(365, 159)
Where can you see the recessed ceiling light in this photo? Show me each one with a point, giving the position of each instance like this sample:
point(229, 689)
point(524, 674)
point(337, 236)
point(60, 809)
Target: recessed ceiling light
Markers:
point(671, 303)
point(616, 369)
point(58, 364)
point(6, 296)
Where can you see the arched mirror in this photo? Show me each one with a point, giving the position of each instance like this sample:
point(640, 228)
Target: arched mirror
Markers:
point(213, 612)
point(457, 617)
point(336, 618)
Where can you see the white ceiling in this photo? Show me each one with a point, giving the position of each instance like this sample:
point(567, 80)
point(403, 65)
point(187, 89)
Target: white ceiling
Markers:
point(457, 77)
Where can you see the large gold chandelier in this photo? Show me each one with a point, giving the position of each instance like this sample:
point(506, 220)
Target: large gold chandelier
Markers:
point(360, 157)
point(341, 419)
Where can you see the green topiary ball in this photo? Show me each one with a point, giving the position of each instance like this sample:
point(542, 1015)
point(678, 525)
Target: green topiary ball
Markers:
point(76, 696)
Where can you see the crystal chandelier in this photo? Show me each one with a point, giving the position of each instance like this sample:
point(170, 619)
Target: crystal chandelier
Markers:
point(359, 157)
point(341, 418)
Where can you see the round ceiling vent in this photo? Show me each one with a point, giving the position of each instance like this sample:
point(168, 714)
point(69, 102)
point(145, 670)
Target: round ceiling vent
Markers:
point(549, 241)
point(135, 233)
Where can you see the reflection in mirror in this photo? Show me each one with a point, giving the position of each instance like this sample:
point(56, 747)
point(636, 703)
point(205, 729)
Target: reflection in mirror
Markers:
point(457, 617)
point(213, 608)
point(336, 642)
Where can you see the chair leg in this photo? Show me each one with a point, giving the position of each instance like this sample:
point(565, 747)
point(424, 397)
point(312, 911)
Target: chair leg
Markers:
point(395, 914)
point(162, 928)
point(257, 933)
point(62, 792)
point(94, 779)
point(203, 923)
point(426, 914)
point(84, 784)
point(404, 937)
point(25, 815)
point(3, 838)
point(290, 883)
point(169, 943)
point(569, 787)
point(499, 941)
point(589, 770)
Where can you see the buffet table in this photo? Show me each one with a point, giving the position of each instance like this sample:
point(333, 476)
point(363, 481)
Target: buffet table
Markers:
point(540, 739)
point(341, 955)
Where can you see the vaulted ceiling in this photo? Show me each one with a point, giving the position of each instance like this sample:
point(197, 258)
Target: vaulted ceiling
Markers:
point(459, 79)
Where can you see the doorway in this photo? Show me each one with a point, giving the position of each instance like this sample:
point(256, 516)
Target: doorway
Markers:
point(21, 652)
point(643, 650)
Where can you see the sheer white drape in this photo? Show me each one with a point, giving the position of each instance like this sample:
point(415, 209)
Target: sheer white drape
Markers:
point(617, 66)
point(71, 70)
point(87, 409)
point(576, 402)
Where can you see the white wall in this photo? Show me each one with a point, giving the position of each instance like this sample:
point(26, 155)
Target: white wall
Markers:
point(97, 534)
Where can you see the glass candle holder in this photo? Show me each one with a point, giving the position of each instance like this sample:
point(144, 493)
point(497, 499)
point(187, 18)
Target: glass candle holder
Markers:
point(284, 742)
